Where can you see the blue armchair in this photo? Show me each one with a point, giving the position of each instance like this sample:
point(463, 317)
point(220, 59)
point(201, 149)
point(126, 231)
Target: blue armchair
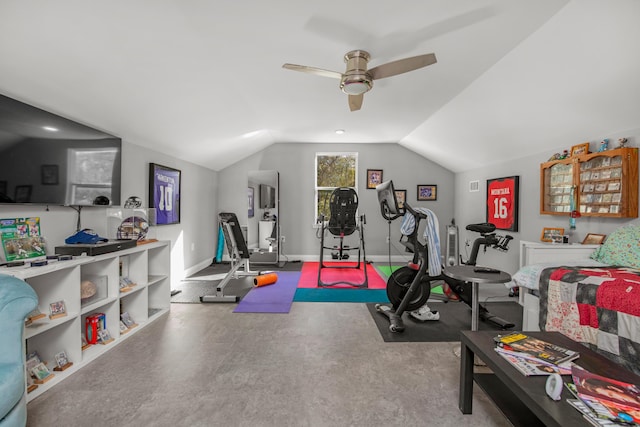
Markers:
point(17, 299)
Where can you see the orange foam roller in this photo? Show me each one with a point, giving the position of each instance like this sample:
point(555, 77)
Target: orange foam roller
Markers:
point(265, 279)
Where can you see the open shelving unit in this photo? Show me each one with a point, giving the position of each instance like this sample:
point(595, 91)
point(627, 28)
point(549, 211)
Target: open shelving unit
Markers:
point(148, 266)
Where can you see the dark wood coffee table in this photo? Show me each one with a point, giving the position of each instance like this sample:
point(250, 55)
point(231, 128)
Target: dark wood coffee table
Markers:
point(523, 400)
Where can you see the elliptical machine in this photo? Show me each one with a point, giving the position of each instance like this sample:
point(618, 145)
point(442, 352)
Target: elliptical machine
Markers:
point(409, 287)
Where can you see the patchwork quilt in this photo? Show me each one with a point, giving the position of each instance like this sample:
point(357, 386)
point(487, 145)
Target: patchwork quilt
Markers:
point(597, 306)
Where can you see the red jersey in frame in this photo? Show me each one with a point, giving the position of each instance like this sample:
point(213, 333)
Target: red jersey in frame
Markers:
point(502, 202)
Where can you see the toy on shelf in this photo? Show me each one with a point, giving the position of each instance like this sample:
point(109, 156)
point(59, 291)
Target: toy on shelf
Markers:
point(622, 142)
point(604, 145)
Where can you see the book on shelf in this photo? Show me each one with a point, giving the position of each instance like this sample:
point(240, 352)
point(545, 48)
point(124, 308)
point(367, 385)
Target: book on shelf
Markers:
point(607, 398)
point(538, 348)
point(529, 365)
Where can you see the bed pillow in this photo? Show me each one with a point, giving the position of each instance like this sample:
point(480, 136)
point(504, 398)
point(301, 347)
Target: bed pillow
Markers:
point(622, 247)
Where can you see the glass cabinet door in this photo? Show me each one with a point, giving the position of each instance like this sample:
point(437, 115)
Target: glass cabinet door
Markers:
point(557, 183)
point(601, 185)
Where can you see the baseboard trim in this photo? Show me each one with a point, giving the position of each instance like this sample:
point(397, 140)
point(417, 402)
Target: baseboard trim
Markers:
point(195, 268)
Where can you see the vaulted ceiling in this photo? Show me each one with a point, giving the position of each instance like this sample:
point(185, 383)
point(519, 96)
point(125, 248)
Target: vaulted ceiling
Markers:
point(203, 80)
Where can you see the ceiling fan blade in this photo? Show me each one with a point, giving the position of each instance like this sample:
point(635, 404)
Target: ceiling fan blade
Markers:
point(313, 70)
point(355, 102)
point(402, 66)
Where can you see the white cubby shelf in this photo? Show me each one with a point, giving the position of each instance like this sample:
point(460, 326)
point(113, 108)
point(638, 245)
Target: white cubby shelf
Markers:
point(147, 265)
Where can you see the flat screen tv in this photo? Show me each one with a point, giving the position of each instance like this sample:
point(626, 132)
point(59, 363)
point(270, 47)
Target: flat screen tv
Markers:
point(267, 197)
point(50, 160)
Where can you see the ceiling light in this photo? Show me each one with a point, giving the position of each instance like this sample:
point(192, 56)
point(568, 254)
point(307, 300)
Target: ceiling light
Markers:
point(339, 131)
point(356, 88)
point(50, 128)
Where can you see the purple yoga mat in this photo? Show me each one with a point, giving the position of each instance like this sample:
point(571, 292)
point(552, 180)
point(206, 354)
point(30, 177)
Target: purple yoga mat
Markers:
point(276, 298)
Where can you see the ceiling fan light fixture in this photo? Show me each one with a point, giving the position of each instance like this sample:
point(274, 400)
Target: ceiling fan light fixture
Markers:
point(356, 88)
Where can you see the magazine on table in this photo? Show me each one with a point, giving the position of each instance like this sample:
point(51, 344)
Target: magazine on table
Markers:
point(538, 348)
point(607, 398)
point(589, 415)
point(529, 365)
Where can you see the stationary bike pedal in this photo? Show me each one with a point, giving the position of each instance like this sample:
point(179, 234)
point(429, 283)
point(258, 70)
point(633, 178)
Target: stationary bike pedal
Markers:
point(382, 308)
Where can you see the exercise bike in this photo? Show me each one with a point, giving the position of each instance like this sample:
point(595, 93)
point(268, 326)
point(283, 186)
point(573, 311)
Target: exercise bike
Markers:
point(409, 287)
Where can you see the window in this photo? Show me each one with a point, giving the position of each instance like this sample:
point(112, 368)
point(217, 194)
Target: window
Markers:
point(333, 170)
point(90, 174)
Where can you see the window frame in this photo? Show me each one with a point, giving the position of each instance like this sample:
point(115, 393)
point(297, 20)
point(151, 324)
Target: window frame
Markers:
point(315, 178)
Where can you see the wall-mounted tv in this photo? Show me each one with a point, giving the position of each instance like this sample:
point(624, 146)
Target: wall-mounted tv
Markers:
point(267, 197)
point(49, 160)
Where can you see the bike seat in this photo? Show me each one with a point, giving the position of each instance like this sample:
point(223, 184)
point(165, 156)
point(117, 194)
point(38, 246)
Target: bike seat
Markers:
point(482, 228)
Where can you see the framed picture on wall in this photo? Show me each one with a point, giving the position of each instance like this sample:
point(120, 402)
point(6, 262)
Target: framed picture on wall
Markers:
point(250, 197)
point(164, 193)
point(23, 194)
point(49, 174)
point(374, 178)
point(427, 192)
point(502, 202)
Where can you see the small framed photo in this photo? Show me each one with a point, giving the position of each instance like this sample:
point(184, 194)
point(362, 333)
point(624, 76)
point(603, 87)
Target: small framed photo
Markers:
point(250, 200)
point(374, 178)
point(104, 336)
point(580, 149)
point(57, 309)
point(49, 174)
point(32, 361)
point(62, 359)
point(127, 319)
point(427, 192)
point(40, 372)
point(594, 239)
point(401, 197)
point(23, 194)
point(549, 232)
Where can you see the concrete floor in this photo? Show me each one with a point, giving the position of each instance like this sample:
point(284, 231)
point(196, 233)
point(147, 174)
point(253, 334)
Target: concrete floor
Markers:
point(323, 364)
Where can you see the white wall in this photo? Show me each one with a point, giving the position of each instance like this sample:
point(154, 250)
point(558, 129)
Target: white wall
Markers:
point(193, 241)
point(296, 163)
point(470, 207)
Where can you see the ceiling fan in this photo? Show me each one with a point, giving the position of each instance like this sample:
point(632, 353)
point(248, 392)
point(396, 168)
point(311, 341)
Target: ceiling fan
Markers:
point(357, 80)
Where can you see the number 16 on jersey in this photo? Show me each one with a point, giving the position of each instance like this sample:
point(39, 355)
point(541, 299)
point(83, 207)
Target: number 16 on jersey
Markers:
point(502, 202)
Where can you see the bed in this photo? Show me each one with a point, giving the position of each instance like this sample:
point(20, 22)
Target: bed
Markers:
point(594, 300)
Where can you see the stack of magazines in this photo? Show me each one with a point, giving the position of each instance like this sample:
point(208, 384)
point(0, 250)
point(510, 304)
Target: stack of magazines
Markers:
point(532, 356)
point(604, 401)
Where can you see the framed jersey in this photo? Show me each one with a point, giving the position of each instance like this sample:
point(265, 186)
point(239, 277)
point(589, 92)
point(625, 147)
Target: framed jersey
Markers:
point(502, 202)
point(164, 193)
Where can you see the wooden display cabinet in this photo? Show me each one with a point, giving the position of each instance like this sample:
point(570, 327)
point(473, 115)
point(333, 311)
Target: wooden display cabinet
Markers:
point(602, 184)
